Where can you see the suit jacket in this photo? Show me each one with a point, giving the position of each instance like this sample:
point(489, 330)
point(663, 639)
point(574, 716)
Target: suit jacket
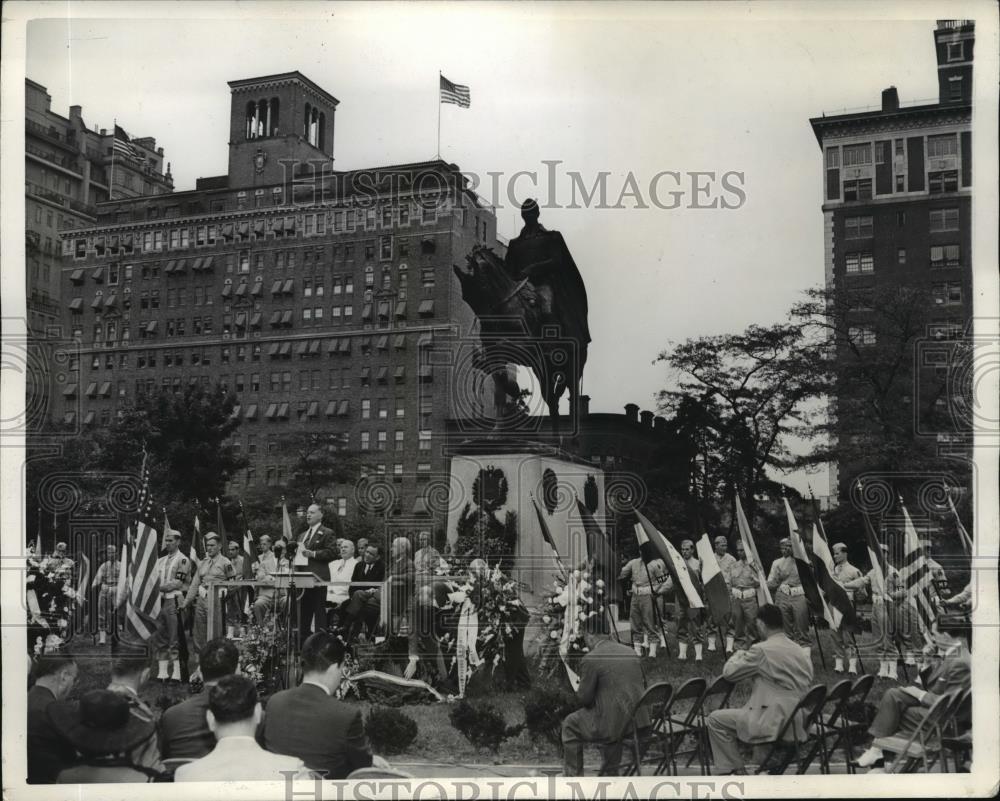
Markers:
point(611, 682)
point(236, 759)
point(377, 574)
point(327, 734)
point(782, 672)
point(184, 731)
point(324, 543)
point(48, 751)
point(952, 673)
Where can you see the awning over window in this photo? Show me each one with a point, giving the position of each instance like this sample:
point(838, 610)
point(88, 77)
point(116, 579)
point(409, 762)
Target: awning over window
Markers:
point(289, 224)
point(69, 417)
point(286, 348)
point(382, 375)
point(301, 348)
point(400, 373)
point(170, 266)
point(251, 413)
point(331, 408)
point(272, 410)
point(420, 506)
point(76, 276)
point(314, 347)
point(401, 309)
point(287, 288)
point(89, 419)
point(91, 389)
point(241, 290)
point(257, 289)
point(383, 310)
point(255, 320)
point(286, 317)
point(258, 227)
point(399, 341)
point(275, 318)
point(98, 274)
point(366, 373)
point(332, 344)
point(227, 291)
point(382, 343)
point(344, 408)
point(313, 409)
point(276, 287)
point(241, 319)
point(426, 308)
point(97, 302)
point(106, 389)
point(111, 301)
point(345, 345)
point(76, 304)
point(244, 228)
point(69, 390)
point(182, 265)
point(207, 264)
point(366, 313)
point(283, 411)
point(272, 349)
point(227, 230)
point(151, 327)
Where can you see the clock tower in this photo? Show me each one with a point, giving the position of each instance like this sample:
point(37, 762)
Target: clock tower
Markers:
point(276, 120)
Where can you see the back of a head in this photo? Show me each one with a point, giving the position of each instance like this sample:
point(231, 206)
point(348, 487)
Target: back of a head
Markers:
point(50, 664)
point(233, 699)
point(770, 616)
point(128, 665)
point(218, 658)
point(320, 651)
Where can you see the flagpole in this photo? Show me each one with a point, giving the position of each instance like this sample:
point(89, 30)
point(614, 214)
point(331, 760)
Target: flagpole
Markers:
point(439, 115)
point(111, 180)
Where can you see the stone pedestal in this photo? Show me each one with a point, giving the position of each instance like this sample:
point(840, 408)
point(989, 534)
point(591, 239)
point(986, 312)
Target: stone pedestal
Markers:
point(554, 478)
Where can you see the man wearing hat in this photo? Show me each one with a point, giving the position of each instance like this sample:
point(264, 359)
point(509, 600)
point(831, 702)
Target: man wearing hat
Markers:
point(689, 625)
point(129, 672)
point(102, 728)
point(743, 589)
point(726, 564)
point(55, 676)
point(61, 563)
point(212, 569)
point(884, 616)
point(106, 579)
point(237, 597)
point(790, 598)
point(173, 568)
point(853, 581)
point(647, 584)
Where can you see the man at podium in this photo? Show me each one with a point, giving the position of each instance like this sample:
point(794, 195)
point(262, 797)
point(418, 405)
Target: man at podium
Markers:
point(317, 547)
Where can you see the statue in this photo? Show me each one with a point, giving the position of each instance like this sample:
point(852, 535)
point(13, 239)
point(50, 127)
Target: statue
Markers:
point(532, 308)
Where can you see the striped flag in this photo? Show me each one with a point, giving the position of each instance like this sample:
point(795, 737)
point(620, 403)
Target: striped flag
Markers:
point(915, 575)
point(197, 547)
point(716, 591)
point(123, 567)
point(838, 602)
point(143, 601)
point(123, 143)
point(876, 556)
point(753, 558)
point(454, 93)
point(804, 565)
point(223, 545)
point(653, 545)
point(599, 552)
point(547, 536)
point(286, 524)
point(962, 533)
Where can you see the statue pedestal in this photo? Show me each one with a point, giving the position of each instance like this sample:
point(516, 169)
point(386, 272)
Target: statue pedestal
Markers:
point(554, 478)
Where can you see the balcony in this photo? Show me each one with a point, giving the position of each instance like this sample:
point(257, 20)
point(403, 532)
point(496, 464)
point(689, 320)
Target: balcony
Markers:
point(65, 162)
point(41, 191)
point(51, 134)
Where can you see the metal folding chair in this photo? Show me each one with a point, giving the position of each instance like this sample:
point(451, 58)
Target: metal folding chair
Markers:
point(680, 724)
point(923, 745)
point(802, 718)
point(716, 697)
point(956, 736)
point(639, 742)
point(833, 710)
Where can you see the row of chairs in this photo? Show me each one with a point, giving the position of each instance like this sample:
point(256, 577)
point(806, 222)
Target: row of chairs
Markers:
point(942, 731)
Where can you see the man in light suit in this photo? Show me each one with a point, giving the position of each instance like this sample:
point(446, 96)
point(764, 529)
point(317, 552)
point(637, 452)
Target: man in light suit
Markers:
point(318, 545)
point(309, 723)
point(901, 709)
point(782, 672)
point(233, 716)
point(611, 683)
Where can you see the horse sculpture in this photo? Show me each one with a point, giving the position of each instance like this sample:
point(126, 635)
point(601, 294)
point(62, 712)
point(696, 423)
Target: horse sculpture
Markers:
point(520, 326)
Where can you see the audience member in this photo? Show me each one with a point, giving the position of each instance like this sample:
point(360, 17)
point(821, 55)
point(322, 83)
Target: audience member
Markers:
point(781, 671)
point(365, 604)
point(308, 722)
point(611, 683)
point(48, 752)
point(129, 672)
point(184, 731)
point(102, 728)
point(901, 709)
point(233, 715)
point(341, 570)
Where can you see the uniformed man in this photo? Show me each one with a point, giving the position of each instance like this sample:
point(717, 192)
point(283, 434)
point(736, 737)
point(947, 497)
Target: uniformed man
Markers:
point(648, 581)
point(790, 598)
point(236, 599)
point(884, 616)
point(852, 580)
point(212, 569)
point(174, 570)
point(106, 579)
point(744, 582)
point(726, 562)
point(265, 567)
point(61, 563)
point(689, 625)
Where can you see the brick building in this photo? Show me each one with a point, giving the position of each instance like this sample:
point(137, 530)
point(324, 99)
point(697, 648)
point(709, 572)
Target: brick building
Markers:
point(898, 212)
point(325, 300)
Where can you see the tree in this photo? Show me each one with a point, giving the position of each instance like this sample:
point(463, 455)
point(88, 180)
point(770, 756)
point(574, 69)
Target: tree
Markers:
point(321, 460)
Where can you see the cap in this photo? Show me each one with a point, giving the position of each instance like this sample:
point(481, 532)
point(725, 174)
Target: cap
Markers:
point(529, 205)
point(211, 535)
point(721, 538)
point(687, 542)
point(61, 546)
point(839, 546)
point(785, 541)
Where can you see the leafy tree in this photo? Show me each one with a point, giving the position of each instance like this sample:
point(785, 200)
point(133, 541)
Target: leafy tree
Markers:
point(320, 462)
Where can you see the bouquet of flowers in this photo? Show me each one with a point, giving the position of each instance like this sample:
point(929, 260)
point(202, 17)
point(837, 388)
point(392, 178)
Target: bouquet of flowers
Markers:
point(576, 602)
point(51, 596)
point(261, 656)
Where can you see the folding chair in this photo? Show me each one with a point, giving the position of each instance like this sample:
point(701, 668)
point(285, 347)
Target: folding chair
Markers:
point(833, 709)
point(916, 749)
point(715, 697)
point(956, 736)
point(849, 730)
point(679, 724)
point(808, 709)
point(637, 741)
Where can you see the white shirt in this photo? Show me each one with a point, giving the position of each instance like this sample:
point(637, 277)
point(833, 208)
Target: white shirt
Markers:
point(340, 570)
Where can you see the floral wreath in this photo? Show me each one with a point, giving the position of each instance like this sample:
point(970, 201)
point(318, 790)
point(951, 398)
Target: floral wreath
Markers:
point(576, 601)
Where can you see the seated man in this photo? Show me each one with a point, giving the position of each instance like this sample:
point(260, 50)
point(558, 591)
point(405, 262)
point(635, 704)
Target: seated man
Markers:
point(184, 731)
point(233, 715)
point(129, 672)
point(781, 671)
point(365, 604)
point(309, 723)
point(901, 709)
point(611, 684)
point(341, 570)
point(47, 748)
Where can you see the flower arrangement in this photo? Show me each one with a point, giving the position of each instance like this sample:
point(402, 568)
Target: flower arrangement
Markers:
point(576, 599)
point(262, 656)
point(50, 592)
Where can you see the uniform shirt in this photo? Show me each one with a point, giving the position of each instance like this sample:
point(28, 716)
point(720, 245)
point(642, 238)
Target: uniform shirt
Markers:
point(848, 576)
point(726, 563)
point(784, 571)
point(637, 572)
point(107, 573)
point(892, 585)
point(217, 568)
point(742, 576)
point(172, 569)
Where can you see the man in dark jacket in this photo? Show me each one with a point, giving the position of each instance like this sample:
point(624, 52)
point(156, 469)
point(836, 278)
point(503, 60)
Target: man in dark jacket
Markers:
point(365, 604)
point(308, 722)
point(48, 751)
point(317, 547)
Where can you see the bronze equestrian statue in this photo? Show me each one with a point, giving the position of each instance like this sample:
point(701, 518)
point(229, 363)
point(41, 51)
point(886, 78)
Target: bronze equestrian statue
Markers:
point(532, 309)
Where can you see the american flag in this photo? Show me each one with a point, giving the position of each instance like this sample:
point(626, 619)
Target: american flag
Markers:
point(143, 603)
point(123, 143)
point(916, 575)
point(454, 93)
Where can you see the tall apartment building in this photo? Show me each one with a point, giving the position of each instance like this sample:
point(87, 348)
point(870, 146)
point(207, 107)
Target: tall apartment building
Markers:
point(67, 171)
point(898, 212)
point(324, 300)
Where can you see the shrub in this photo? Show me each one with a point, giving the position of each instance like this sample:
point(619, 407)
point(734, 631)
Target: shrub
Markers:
point(389, 730)
point(545, 708)
point(482, 725)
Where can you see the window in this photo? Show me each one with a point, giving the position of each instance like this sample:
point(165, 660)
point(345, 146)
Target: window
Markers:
point(857, 154)
point(859, 263)
point(955, 88)
point(424, 439)
point(947, 294)
point(862, 334)
point(944, 220)
point(832, 157)
point(858, 190)
point(366, 440)
point(900, 183)
point(385, 247)
point(945, 256)
point(956, 51)
point(383, 409)
point(901, 255)
point(382, 439)
point(366, 409)
point(369, 276)
point(398, 438)
point(945, 181)
point(940, 146)
point(857, 227)
point(427, 279)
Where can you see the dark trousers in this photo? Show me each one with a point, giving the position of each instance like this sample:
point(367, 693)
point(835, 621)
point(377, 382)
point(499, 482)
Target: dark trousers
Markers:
point(312, 607)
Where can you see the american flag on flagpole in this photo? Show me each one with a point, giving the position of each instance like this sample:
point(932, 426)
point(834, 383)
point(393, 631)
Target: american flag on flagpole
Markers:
point(455, 93)
point(916, 576)
point(122, 143)
point(143, 599)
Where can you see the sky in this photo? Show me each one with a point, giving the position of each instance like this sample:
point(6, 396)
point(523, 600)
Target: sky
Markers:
point(637, 89)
